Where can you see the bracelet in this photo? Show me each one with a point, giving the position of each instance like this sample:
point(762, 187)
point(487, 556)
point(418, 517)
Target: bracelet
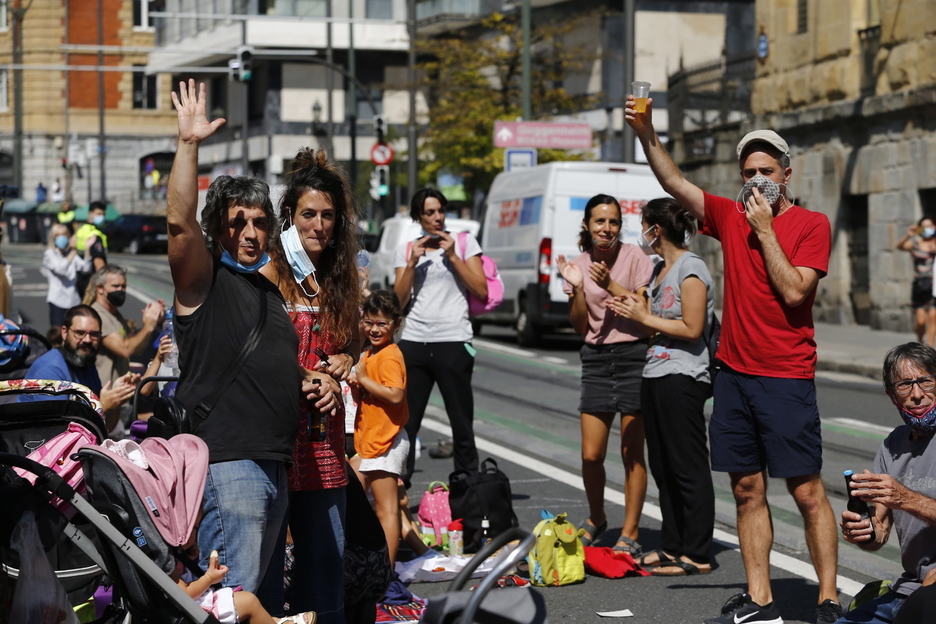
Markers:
point(354, 360)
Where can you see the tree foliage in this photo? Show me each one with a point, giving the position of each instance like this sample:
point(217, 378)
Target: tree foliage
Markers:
point(473, 81)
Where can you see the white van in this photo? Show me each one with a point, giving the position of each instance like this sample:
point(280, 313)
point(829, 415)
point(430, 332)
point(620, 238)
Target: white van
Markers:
point(532, 216)
point(396, 231)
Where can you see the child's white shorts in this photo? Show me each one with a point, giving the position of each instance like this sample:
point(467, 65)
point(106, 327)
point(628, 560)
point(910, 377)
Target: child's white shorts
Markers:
point(219, 603)
point(393, 460)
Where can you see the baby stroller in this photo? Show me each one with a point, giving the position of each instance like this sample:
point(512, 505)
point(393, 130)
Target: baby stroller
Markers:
point(24, 426)
point(131, 528)
point(517, 605)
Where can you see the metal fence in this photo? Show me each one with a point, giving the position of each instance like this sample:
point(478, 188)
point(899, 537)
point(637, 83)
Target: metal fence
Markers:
point(711, 94)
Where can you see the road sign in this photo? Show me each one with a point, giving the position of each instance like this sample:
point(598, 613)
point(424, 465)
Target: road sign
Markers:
point(542, 134)
point(519, 159)
point(381, 154)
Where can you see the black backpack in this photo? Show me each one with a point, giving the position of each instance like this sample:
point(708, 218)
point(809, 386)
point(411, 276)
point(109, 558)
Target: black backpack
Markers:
point(483, 494)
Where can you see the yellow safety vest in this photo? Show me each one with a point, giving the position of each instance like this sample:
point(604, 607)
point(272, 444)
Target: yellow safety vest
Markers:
point(86, 231)
point(66, 217)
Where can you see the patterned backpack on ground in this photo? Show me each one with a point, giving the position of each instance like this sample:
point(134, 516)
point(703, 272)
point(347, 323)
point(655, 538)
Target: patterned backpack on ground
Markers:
point(558, 557)
point(435, 514)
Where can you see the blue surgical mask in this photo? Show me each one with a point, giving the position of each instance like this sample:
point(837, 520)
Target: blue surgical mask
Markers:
point(98, 220)
point(229, 261)
point(299, 261)
point(925, 424)
point(61, 241)
point(929, 232)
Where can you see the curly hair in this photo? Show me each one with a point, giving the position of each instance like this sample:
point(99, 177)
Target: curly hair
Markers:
point(336, 270)
point(585, 237)
point(227, 191)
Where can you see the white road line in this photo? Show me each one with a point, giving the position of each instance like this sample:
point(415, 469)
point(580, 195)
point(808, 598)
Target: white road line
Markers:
point(554, 360)
point(860, 424)
point(139, 294)
point(496, 346)
point(780, 560)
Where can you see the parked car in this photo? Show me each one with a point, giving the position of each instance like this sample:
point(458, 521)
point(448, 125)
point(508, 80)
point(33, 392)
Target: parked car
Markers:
point(137, 233)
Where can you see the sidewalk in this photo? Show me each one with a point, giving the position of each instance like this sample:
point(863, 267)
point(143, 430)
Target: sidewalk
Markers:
point(855, 349)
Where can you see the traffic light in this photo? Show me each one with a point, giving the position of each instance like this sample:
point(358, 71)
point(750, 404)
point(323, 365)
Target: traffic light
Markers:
point(380, 127)
point(241, 68)
point(383, 180)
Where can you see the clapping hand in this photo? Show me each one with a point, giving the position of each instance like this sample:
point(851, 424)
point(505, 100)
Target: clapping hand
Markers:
point(570, 272)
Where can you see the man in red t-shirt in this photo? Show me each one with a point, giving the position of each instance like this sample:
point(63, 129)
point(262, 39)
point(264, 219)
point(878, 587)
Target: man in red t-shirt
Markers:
point(765, 416)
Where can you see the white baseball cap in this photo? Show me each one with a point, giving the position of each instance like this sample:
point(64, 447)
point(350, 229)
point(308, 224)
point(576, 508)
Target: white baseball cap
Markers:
point(763, 136)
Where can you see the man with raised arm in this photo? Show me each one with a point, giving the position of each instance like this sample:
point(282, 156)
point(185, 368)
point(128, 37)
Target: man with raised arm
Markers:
point(251, 428)
point(765, 416)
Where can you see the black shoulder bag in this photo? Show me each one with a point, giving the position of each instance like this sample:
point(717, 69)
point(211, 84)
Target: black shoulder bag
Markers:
point(171, 418)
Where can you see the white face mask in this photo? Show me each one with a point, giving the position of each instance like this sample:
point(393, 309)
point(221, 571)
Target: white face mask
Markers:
point(767, 187)
point(929, 232)
point(644, 244)
point(299, 261)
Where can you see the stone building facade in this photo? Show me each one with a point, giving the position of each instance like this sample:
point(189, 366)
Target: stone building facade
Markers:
point(60, 107)
point(851, 85)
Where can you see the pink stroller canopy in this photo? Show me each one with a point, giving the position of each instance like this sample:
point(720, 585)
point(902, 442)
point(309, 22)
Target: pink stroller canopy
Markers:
point(173, 484)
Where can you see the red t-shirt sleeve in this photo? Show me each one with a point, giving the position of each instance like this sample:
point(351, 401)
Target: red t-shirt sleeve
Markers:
point(815, 247)
point(715, 210)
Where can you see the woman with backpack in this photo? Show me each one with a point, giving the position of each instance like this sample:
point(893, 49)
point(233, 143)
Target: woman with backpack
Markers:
point(613, 358)
point(434, 275)
point(676, 382)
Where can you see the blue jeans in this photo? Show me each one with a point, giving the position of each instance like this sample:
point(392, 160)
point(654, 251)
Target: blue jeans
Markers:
point(245, 521)
point(881, 610)
point(317, 520)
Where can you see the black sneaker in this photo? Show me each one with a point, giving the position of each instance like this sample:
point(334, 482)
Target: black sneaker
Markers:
point(740, 609)
point(828, 612)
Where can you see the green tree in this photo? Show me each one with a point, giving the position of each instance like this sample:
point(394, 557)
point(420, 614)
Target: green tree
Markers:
point(472, 81)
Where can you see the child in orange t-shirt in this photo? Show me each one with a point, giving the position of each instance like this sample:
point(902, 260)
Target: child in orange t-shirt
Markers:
point(379, 438)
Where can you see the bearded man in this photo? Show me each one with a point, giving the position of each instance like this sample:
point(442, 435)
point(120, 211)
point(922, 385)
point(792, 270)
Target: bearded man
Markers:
point(75, 361)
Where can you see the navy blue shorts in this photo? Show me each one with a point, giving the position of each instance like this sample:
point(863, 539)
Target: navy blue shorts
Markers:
point(765, 422)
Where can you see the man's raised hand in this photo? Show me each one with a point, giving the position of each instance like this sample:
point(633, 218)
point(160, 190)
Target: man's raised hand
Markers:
point(193, 121)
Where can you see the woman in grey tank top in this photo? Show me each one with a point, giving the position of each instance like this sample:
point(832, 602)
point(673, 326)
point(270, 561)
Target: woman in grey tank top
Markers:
point(676, 384)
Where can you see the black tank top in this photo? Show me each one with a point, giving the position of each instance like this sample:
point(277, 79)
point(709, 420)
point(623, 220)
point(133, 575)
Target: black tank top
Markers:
point(258, 416)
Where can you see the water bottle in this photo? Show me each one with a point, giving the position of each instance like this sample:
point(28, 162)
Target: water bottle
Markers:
point(363, 262)
point(172, 358)
point(857, 505)
point(316, 421)
point(485, 532)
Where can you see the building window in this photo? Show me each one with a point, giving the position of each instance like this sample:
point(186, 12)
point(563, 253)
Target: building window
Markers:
point(144, 89)
point(379, 9)
point(4, 91)
point(802, 16)
point(4, 14)
point(142, 10)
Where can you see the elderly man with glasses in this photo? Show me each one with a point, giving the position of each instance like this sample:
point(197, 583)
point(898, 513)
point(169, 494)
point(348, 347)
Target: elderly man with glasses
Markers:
point(900, 488)
point(75, 361)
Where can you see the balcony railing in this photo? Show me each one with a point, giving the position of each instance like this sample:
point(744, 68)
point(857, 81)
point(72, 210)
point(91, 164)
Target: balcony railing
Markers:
point(711, 94)
point(435, 9)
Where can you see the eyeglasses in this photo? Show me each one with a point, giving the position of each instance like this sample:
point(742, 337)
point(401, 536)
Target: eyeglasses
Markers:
point(80, 334)
point(378, 324)
point(905, 386)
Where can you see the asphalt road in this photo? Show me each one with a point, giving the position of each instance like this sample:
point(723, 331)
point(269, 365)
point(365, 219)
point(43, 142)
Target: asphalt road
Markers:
point(526, 419)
